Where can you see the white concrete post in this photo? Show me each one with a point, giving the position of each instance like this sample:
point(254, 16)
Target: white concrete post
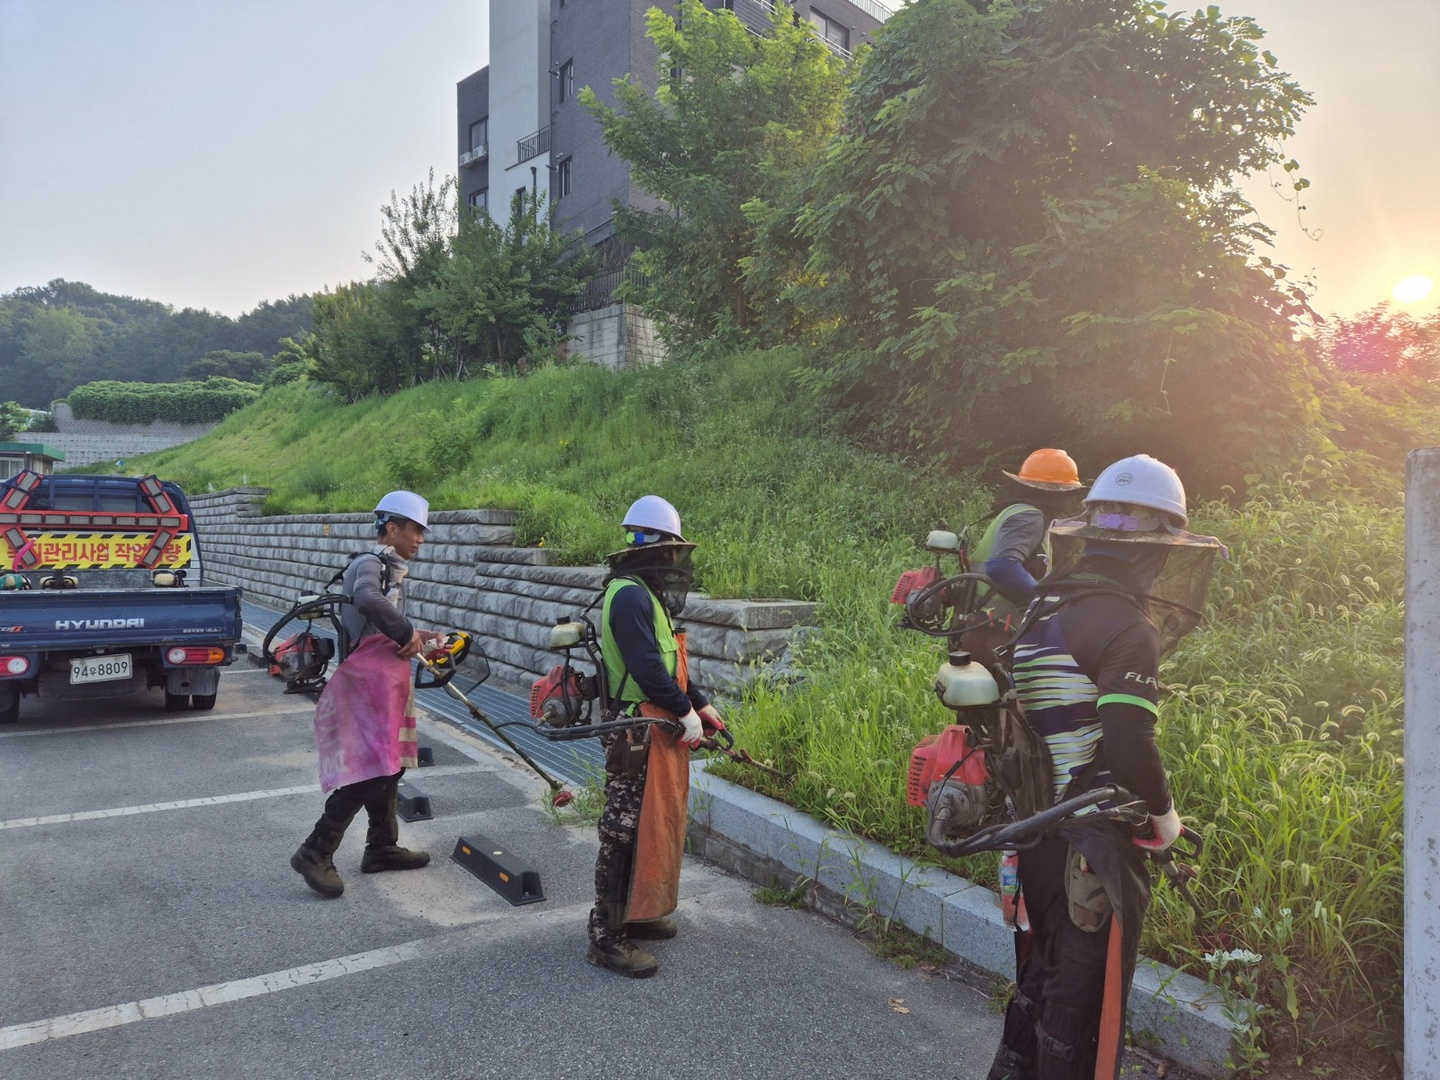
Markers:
point(1422, 765)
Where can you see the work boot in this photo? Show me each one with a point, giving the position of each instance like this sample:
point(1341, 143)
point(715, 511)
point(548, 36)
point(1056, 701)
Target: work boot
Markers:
point(661, 929)
point(392, 857)
point(318, 869)
point(622, 957)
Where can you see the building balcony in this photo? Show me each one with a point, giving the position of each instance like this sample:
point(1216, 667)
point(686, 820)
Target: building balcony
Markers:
point(533, 145)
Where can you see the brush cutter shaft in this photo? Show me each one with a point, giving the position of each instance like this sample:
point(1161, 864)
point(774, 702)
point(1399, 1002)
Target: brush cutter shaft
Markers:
point(454, 692)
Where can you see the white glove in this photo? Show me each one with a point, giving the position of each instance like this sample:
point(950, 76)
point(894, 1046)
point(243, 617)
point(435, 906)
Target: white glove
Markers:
point(694, 731)
point(1165, 829)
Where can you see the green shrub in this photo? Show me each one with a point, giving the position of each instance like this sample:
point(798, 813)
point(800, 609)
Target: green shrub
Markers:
point(144, 403)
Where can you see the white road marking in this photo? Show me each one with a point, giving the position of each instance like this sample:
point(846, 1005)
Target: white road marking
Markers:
point(490, 927)
point(80, 1023)
point(206, 800)
point(151, 808)
point(200, 719)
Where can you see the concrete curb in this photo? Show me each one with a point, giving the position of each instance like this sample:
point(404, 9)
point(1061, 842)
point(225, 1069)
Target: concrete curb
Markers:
point(1178, 1015)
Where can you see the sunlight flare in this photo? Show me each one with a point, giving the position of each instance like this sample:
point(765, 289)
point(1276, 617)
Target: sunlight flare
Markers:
point(1413, 289)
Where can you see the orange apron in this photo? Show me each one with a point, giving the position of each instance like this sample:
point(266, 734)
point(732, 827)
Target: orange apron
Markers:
point(664, 813)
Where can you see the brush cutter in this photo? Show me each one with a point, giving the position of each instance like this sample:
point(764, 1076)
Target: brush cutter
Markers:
point(442, 664)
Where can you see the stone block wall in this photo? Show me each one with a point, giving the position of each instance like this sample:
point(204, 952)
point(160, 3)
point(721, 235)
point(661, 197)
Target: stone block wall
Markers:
point(471, 576)
point(86, 442)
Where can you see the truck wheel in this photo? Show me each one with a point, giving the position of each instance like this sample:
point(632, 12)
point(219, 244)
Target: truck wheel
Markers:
point(202, 701)
point(175, 702)
point(9, 704)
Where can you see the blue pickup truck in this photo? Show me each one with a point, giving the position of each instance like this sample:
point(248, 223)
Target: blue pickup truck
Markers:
point(102, 594)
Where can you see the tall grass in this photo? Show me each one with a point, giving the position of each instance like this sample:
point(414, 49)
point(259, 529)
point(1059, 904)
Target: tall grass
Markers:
point(757, 478)
point(1281, 728)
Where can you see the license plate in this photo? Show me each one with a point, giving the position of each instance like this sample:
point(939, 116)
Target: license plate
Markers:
point(100, 668)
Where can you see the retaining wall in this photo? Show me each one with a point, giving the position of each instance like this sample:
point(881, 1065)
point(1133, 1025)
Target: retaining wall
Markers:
point(618, 336)
point(87, 441)
point(471, 576)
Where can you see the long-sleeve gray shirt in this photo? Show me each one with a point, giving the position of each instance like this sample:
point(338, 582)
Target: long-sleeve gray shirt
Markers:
point(374, 609)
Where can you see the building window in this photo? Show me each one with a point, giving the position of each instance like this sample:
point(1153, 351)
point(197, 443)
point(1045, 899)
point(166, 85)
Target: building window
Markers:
point(480, 200)
point(567, 80)
point(480, 134)
point(562, 179)
point(833, 32)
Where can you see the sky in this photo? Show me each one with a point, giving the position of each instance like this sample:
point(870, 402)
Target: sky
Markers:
point(218, 153)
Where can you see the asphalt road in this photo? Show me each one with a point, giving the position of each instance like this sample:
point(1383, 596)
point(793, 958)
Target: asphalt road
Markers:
point(151, 926)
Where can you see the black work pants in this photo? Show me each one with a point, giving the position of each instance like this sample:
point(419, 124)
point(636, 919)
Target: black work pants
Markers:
point(378, 796)
point(1053, 1021)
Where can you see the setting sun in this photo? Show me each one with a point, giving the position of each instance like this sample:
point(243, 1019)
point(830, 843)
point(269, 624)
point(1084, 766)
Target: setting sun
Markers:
point(1414, 288)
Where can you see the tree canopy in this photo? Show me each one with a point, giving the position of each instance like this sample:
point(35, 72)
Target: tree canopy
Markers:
point(1029, 232)
point(455, 293)
point(737, 123)
point(56, 337)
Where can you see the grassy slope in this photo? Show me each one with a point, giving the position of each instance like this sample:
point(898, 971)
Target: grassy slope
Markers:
point(1283, 731)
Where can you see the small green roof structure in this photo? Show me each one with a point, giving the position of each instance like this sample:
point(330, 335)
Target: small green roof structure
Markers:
point(16, 457)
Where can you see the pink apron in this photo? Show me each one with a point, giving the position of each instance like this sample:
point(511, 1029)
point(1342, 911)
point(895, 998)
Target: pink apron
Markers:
point(365, 718)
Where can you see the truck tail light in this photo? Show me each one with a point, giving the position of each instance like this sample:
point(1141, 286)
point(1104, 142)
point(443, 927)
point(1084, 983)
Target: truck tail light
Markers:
point(15, 665)
point(182, 657)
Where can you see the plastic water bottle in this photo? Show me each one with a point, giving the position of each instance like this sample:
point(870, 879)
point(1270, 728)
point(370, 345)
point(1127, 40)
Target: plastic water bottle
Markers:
point(1012, 904)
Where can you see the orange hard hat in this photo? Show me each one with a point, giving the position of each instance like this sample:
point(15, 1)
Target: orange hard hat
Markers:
point(1049, 470)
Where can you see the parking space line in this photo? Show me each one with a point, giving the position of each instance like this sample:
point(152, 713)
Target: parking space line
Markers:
point(80, 1023)
point(206, 800)
point(151, 808)
point(488, 928)
point(203, 718)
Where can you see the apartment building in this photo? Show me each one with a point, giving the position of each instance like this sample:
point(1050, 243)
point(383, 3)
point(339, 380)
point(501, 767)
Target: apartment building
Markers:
point(521, 127)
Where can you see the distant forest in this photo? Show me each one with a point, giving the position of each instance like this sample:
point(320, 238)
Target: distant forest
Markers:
point(56, 337)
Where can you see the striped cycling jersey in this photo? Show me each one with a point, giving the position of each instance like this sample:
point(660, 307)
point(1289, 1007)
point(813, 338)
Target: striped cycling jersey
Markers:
point(1073, 658)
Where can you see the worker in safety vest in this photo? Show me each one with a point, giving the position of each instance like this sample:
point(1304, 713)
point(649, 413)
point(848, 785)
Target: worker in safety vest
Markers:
point(365, 718)
point(1011, 552)
point(1128, 583)
point(647, 768)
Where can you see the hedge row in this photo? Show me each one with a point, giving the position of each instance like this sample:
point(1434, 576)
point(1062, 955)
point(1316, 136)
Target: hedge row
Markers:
point(179, 403)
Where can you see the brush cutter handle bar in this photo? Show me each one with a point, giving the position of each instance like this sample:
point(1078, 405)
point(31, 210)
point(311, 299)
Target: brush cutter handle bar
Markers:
point(327, 604)
point(1030, 831)
point(917, 603)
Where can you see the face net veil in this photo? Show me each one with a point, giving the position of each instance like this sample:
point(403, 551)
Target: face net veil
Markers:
point(666, 567)
point(1181, 561)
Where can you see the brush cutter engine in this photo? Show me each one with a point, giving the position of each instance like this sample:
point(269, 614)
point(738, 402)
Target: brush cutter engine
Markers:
point(301, 661)
point(948, 776)
point(565, 696)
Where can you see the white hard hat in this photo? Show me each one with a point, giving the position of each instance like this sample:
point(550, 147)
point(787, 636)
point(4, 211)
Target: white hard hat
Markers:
point(651, 513)
point(1141, 480)
point(404, 504)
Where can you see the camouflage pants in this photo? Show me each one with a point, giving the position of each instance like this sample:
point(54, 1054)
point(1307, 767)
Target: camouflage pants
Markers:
point(618, 823)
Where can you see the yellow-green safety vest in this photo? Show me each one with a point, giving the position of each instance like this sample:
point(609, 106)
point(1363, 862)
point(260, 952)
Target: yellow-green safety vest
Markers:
point(624, 688)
